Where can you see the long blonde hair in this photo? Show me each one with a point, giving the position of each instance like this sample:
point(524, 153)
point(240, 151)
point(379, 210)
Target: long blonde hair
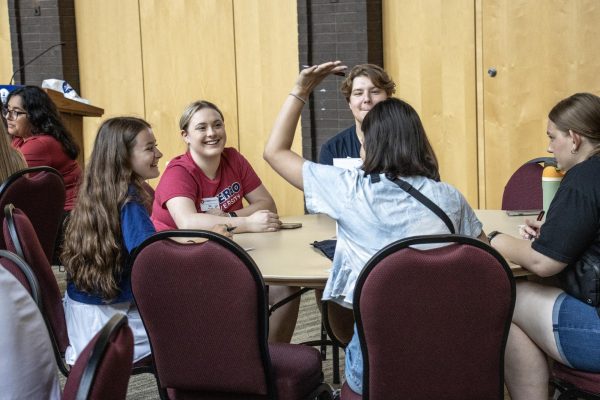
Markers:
point(93, 246)
point(11, 160)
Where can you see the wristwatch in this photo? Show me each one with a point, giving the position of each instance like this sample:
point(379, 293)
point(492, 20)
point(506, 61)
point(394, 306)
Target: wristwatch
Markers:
point(232, 214)
point(492, 235)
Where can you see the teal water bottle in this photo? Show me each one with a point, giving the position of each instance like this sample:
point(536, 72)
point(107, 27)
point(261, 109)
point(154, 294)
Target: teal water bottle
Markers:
point(551, 178)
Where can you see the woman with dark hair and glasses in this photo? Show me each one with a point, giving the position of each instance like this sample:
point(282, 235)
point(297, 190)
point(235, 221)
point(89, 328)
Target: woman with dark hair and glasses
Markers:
point(38, 132)
point(371, 210)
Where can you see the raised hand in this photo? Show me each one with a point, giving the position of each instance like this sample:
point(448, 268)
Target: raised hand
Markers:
point(310, 77)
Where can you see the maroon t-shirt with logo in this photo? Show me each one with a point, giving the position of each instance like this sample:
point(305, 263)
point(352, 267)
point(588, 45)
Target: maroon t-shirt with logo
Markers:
point(183, 178)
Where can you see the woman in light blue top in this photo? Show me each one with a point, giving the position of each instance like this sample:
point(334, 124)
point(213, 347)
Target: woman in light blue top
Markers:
point(370, 209)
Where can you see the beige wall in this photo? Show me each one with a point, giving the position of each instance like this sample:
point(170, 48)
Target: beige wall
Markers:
point(543, 51)
point(429, 50)
point(151, 58)
point(484, 128)
point(6, 69)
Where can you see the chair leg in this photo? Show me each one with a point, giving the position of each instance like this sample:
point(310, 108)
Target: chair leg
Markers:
point(162, 393)
point(323, 392)
point(335, 349)
point(323, 342)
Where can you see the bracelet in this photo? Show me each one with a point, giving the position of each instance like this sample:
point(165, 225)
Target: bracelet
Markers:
point(492, 235)
point(232, 214)
point(298, 97)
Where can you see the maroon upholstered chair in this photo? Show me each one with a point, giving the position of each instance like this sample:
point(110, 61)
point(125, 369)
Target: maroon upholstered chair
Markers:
point(21, 239)
point(433, 322)
point(575, 384)
point(40, 193)
point(23, 272)
point(102, 370)
point(204, 307)
point(523, 191)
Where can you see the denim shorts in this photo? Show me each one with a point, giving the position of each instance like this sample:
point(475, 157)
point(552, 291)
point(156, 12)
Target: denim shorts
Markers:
point(576, 328)
point(354, 364)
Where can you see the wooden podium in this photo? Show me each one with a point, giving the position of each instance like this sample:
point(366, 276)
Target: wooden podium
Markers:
point(72, 113)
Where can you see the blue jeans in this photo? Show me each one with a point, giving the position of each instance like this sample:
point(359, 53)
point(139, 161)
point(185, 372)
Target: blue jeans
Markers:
point(576, 327)
point(354, 364)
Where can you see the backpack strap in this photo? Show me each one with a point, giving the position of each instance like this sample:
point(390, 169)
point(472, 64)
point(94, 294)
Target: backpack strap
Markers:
point(411, 190)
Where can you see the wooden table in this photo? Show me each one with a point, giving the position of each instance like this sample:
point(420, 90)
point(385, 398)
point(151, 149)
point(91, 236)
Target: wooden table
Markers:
point(287, 258)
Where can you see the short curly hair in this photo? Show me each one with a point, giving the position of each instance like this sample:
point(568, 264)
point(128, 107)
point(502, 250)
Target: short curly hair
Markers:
point(375, 73)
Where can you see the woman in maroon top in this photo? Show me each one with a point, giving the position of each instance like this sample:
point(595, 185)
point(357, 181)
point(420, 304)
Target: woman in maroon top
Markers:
point(38, 132)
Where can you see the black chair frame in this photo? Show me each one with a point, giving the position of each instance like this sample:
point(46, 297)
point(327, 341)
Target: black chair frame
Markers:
point(29, 275)
point(30, 170)
point(89, 374)
point(263, 303)
point(412, 241)
point(326, 331)
point(10, 220)
point(545, 161)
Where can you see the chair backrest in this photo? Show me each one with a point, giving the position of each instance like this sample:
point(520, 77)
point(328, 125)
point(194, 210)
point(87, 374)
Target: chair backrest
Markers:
point(102, 370)
point(433, 323)
point(523, 191)
point(21, 239)
point(24, 274)
point(204, 308)
point(40, 193)
point(27, 366)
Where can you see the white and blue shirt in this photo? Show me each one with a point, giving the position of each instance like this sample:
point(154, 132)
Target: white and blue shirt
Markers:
point(372, 215)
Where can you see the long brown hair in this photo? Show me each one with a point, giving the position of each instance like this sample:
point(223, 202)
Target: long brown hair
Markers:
point(11, 160)
point(93, 246)
point(396, 143)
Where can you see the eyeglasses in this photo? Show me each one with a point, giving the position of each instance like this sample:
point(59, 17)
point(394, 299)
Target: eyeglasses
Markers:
point(11, 114)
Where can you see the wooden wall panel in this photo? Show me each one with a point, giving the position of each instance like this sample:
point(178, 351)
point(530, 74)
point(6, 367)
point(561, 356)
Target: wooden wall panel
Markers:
point(6, 69)
point(110, 62)
point(151, 58)
point(188, 54)
point(267, 66)
point(543, 51)
point(429, 50)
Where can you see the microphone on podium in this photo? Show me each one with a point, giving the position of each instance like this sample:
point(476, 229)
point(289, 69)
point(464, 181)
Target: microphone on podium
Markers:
point(33, 59)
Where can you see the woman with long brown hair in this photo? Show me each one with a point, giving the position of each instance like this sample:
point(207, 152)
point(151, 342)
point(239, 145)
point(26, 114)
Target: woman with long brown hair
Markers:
point(109, 221)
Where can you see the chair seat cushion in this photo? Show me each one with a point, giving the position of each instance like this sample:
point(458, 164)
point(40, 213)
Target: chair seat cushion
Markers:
point(587, 381)
point(349, 394)
point(297, 369)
